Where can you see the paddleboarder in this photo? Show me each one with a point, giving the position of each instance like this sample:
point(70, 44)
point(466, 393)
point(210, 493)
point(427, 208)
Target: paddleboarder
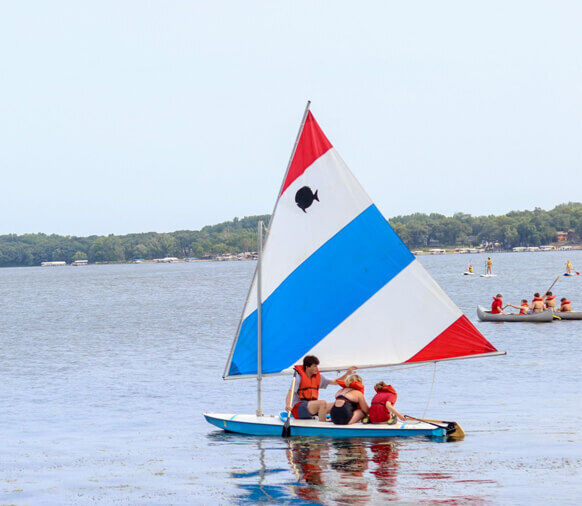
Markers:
point(568, 267)
point(489, 266)
point(304, 402)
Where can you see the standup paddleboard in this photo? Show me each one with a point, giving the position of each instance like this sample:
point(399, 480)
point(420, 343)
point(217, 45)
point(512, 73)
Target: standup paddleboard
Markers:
point(467, 273)
point(488, 275)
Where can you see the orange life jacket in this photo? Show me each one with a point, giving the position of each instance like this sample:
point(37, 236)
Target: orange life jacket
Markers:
point(308, 387)
point(536, 299)
point(564, 302)
point(550, 297)
point(356, 385)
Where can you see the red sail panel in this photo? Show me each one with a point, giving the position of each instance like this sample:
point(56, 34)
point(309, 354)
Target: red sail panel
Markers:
point(461, 339)
point(312, 144)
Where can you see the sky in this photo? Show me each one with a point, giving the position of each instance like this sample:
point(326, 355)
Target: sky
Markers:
point(120, 117)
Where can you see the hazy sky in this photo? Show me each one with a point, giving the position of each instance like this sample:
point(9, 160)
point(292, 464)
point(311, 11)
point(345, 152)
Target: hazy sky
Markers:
point(120, 117)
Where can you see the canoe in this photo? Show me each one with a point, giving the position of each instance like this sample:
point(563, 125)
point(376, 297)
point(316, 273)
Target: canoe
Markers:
point(569, 315)
point(270, 425)
point(486, 316)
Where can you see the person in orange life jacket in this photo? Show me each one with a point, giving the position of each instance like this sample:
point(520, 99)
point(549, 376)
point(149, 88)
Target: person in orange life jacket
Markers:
point(524, 308)
point(303, 402)
point(537, 304)
point(565, 305)
point(350, 405)
point(550, 301)
point(497, 305)
point(382, 408)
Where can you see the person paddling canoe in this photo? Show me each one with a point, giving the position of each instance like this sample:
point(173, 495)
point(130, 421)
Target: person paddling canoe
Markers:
point(497, 305)
point(550, 301)
point(524, 308)
point(537, 304)
point(565, 305)
point(303, 402)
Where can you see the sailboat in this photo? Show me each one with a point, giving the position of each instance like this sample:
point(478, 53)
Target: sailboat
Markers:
point(326, 279)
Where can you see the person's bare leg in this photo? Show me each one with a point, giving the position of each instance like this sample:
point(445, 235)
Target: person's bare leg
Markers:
point(318, 408)
point(357, 416)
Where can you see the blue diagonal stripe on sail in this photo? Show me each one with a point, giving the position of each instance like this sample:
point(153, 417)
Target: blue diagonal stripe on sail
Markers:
point(321, 293)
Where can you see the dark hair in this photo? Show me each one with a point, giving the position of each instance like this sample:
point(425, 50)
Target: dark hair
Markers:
point(499, 295)
point(537, 294)
point(523, 300)
point(310, 360)
point(548, 293)
point(563, 298)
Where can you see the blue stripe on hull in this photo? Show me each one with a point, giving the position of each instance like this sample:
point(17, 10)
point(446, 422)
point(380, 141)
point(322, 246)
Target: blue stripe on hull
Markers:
point(321, 293)
point(261, 429)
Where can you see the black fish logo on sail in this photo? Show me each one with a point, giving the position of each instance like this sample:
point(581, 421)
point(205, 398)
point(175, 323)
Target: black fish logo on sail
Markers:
point(305, 197)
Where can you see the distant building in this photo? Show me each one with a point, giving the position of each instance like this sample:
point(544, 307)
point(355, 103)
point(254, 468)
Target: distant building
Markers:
point(80, 262)
point(565, 236)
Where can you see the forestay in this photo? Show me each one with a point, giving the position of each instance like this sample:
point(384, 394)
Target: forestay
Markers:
point(334, 279)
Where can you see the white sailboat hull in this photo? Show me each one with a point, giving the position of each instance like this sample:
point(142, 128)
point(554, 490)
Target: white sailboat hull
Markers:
point(270, 425)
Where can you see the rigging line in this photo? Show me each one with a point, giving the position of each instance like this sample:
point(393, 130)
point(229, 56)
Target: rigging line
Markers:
point(431, 387)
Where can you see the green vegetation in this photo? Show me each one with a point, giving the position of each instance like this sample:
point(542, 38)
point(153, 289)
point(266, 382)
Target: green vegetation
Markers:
point(517, 228)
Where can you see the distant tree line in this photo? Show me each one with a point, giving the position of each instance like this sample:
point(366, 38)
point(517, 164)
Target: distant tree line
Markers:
point(517, 228)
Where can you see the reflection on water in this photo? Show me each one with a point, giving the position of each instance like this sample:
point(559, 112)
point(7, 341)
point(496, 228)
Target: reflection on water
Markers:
point(341, 471)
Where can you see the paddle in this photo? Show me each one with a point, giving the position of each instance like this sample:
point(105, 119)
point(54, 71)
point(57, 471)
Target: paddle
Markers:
point(286, 432)
point(555, 281)
point(454, 431)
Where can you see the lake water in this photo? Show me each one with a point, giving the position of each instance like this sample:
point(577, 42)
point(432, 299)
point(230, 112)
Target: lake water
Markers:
point(105, 372)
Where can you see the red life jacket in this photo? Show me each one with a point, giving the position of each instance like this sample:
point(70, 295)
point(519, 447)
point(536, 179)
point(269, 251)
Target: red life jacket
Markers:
point(308, 387)
point(356, 385)
point(496, 305)
point(378, 412)
point(537, 298)
point(550, 297)
point(524, 306)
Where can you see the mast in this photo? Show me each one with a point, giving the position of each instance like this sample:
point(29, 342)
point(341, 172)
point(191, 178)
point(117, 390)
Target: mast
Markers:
point(259, 315)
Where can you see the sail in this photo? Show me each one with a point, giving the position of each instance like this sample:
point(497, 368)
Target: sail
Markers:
point(334, 279)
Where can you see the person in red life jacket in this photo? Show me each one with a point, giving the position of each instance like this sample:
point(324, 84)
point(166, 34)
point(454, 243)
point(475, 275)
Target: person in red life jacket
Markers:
point(350, 405)
point(537, 304)
point(524, 308)
point(497, 305)
point(565, 305)
point(382, 408)
point(304, 402)
point(550, 301)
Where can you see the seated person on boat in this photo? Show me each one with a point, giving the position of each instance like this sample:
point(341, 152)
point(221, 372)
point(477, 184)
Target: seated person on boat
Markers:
point(497, 305)
point(537, 304)
point(382, 407)
point(303, 402)
point(524, 308)
point(350, 405)
point(565, 305)
point(550, 301)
